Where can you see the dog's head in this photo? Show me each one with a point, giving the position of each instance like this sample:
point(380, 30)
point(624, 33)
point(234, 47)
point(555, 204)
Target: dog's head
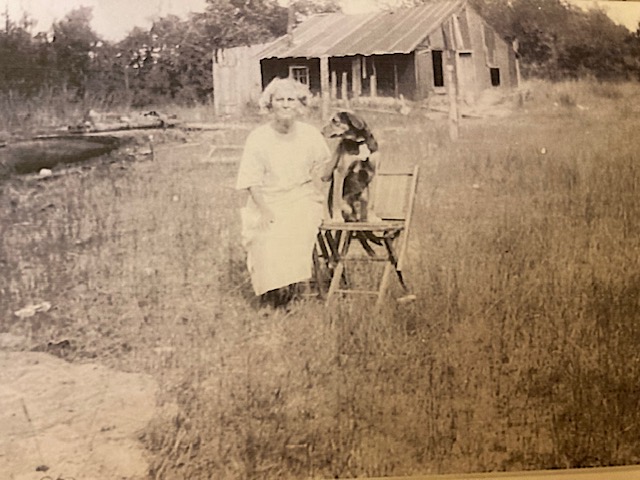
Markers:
point(351, 129)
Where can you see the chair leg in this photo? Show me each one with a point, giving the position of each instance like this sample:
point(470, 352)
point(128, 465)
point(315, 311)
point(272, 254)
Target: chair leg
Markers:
point(318, 275)
point(332, 244)
point(335, 280)
point(401, 278)
point(384, 283)
point(365, 245)
point(390, 267)
point(339, 273)
point(322, 246)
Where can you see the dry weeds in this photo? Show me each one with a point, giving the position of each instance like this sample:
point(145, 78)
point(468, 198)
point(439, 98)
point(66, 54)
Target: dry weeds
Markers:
point(520, 352)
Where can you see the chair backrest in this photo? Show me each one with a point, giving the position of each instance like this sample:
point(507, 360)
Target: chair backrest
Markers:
point(394, 193)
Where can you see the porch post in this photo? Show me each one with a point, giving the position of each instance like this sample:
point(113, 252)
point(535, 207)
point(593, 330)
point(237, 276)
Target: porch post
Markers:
point(216, 98)
point(515, 46)
point(334, 85)
point(373, 80)
point(451, 84)
point(324, 86)
point(343, 88)
point(356, 77)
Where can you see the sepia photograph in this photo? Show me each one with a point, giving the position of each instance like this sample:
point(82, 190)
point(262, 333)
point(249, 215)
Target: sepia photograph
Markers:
point(319, 239)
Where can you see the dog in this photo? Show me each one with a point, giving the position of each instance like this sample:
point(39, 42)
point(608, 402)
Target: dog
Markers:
point(353, 168)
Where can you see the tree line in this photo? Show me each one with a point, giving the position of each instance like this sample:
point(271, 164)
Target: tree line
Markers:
point(172, 60)
point(557, 40)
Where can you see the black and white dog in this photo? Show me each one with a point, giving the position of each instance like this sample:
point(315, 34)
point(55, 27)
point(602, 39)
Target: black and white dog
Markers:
point(354, 167)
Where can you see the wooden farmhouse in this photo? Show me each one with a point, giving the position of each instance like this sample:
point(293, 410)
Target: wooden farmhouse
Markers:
point(387, 53)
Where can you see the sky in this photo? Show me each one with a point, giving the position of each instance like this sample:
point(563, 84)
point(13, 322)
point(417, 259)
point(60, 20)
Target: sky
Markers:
point(624, 13)
point(113, 19)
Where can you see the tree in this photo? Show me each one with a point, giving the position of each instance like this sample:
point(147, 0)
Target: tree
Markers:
point(557, 40)
point(73, 44)
point(305, 8)
point(20, 69)
point(170, 61)
point(231, 23)
point(184, 58)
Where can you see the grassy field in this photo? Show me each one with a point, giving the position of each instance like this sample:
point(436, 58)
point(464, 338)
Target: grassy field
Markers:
point(521, 351)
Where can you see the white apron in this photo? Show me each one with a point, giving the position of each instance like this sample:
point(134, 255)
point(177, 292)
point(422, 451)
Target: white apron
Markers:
point(281, 254)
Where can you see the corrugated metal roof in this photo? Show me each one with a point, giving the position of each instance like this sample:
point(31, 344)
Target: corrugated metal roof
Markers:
point(339, 35)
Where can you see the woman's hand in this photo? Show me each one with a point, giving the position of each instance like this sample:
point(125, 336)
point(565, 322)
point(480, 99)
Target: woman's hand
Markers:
point(267, 217)
point(327, 167)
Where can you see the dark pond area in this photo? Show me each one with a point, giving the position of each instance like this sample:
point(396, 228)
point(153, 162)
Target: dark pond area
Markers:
point(32, 155)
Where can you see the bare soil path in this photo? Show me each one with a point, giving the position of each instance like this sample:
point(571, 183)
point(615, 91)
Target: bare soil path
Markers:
point(65, 420)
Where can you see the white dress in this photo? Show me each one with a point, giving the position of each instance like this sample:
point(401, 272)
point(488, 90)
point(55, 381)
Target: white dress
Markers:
point(285, 166)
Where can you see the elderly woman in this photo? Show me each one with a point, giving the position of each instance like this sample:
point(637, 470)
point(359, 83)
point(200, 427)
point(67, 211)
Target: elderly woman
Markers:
point(282, 163)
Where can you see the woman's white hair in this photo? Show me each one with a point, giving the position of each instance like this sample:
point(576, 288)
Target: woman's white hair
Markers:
point(301, 91)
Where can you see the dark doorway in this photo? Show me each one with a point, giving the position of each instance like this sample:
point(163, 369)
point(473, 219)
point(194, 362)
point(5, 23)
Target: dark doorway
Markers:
point(438, 72)
point(495, 76)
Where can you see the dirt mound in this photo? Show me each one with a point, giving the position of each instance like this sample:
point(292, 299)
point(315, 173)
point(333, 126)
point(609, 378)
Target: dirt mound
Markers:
point(71, 421)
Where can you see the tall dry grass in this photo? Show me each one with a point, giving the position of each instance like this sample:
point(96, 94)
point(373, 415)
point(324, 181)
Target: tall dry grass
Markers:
point(50, 111)
point(520, 352)
point(22, 115)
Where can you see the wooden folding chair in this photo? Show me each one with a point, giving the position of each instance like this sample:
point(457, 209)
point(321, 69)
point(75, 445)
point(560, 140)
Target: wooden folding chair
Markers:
point(393, 196)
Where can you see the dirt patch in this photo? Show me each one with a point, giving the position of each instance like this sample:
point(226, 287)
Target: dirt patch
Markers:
point(71, 421)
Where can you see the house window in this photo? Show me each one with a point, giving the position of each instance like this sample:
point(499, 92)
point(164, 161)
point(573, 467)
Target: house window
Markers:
point(299, 73)
point(495, 76)
point(438, 72)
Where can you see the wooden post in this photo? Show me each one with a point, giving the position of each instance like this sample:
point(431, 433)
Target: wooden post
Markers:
point(344, 91)
point(334, 85)
point(324, 87)
point(216, 98)
point(373, 81)
point(356, 77)
point(515, 46)
point(452, 93)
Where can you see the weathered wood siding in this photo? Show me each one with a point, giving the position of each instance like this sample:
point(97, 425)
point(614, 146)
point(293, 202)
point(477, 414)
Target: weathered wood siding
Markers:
point(502, 57)
point(473, 60)
point(237, 79)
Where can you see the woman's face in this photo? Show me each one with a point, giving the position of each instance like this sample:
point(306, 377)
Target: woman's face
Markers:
point(285, 104)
